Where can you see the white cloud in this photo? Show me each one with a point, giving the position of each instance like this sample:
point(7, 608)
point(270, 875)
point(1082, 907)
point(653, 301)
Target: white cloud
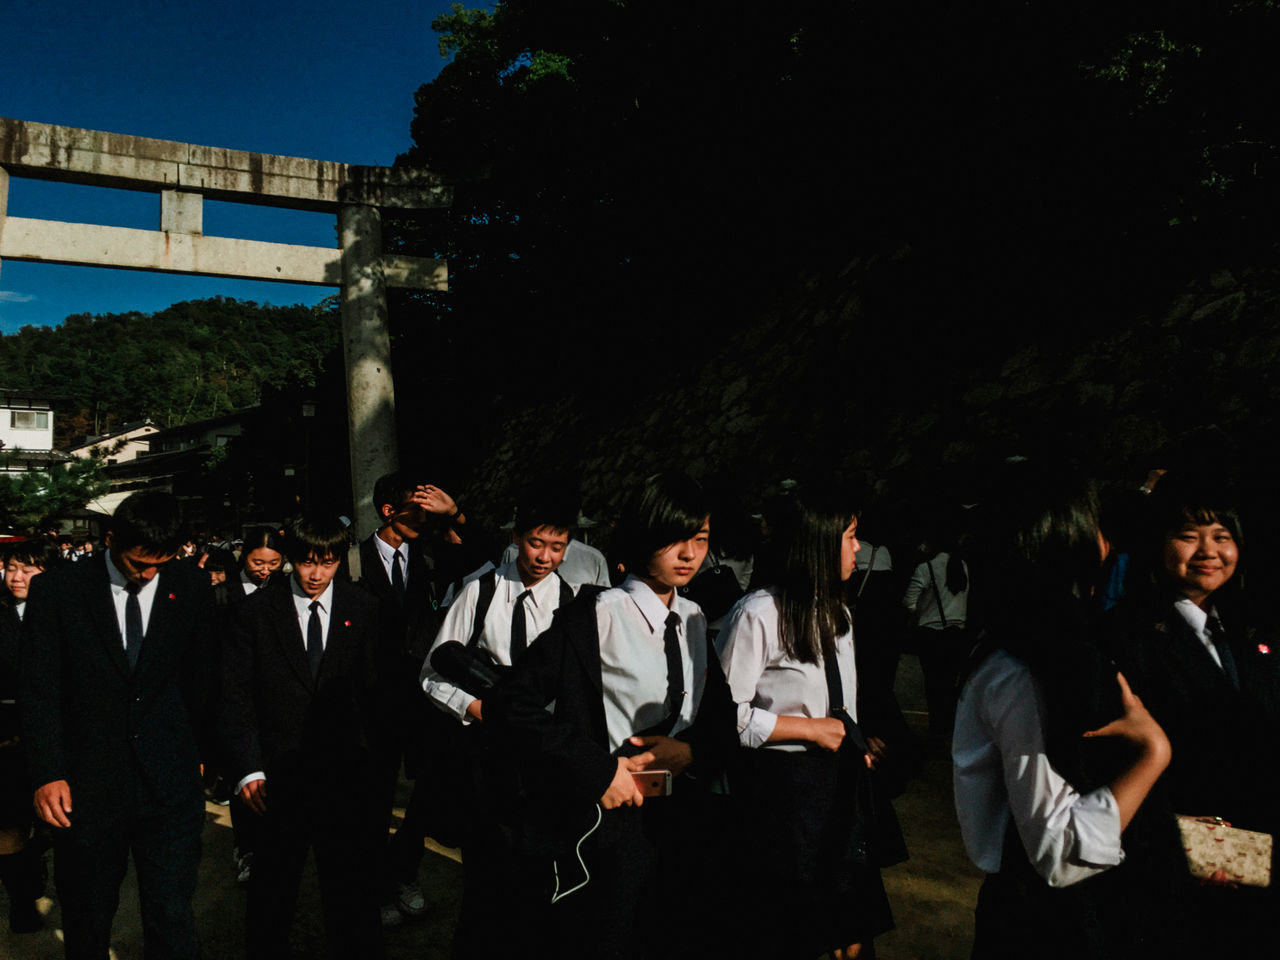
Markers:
point(12, 296)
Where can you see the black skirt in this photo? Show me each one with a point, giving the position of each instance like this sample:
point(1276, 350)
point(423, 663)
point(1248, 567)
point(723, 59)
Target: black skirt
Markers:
point(798, 834)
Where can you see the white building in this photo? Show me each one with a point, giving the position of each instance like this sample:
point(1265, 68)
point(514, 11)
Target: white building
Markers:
point(26, 427)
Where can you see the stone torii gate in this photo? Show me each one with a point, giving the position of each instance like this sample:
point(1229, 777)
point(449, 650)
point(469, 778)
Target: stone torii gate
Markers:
point(184, 174)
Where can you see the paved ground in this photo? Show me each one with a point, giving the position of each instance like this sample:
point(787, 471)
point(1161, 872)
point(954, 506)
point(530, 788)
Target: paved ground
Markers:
point(932, 894)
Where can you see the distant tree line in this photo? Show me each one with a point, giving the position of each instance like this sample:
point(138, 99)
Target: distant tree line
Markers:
point(192, 361)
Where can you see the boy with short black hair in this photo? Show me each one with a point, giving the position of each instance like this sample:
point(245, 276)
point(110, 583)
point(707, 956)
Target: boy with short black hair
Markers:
point(115, 707)
point(300, 684)
point(494, 619)
point(500, 613)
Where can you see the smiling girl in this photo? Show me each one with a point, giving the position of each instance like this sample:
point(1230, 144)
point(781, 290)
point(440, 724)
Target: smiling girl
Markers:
point(1193, 652)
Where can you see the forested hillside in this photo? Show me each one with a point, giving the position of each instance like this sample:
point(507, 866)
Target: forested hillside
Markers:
point(192, 361)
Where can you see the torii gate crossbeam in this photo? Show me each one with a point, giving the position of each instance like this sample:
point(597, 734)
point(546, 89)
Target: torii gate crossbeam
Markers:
point(184, 174)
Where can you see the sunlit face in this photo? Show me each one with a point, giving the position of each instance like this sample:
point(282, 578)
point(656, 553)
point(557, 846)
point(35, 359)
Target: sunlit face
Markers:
point(138, 563)
point(540, 551)
point(18, 577)
point(849, 548)
point(1200, 558)
point(260, 563)
point(675, 564)
point(314, 575)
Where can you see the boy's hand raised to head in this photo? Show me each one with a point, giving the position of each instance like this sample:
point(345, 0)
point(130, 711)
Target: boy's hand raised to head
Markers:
point(434, 500)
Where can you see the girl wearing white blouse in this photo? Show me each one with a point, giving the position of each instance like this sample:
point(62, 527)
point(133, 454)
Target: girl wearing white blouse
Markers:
point(1053, 755)
point(787, 653)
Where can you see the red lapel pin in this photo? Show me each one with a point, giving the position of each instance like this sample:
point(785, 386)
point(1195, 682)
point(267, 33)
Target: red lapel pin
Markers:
point(1263, 648)
point(173, 596)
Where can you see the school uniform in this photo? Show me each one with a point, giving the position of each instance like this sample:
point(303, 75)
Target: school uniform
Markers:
point(119, 708)
point(305, 723)
point(15, 789)
point(492, 638)
point(798, 806)
point(488, 612)
point(607, 666)
point(1213, 683)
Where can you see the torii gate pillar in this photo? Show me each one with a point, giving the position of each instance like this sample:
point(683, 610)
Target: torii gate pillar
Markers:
point(366, 346)
point(184, 174)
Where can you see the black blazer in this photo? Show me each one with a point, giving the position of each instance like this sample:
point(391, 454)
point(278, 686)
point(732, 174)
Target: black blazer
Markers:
point(410, 625)
point(566, 754)
point(1226, 742)
point(278, 719)
point(90, 721)
point(10, 647)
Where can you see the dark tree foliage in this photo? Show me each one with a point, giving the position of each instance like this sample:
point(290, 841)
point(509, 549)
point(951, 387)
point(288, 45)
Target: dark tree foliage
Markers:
point(656, 175)
point(193, 361)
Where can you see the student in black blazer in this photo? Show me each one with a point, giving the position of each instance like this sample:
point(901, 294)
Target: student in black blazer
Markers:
point(1194, 651)
point(300, 683)
point(636, 687)
point(19, 860)
point(424, 533)
point(114, 714)
point(262, 556)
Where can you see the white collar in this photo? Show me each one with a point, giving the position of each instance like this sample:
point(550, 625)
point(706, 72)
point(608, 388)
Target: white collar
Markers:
point(1196, 617)
point(651, 607)
point(388, 552)
point(326, 598)
point(540, 592)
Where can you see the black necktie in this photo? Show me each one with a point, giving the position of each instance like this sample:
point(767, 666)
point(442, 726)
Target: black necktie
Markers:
point(835, 694)
point(315, 639)
point(675, 670)
point(132, 624)
point(397, 576)
point(519, 634)
point(1218, 636)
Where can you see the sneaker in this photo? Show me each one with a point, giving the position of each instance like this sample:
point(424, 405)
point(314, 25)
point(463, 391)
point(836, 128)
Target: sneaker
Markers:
point(410, 900)
point(391, 915)
point(244, 868)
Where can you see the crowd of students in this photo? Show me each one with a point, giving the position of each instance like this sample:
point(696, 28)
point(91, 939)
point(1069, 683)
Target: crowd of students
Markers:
point(620, 775)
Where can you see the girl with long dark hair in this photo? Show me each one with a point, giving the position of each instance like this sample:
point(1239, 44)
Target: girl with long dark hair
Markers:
point(1053, 753)
point(788, 655)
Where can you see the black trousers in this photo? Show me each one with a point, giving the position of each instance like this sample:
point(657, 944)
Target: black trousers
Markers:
point(90, 859)
point(344, 834)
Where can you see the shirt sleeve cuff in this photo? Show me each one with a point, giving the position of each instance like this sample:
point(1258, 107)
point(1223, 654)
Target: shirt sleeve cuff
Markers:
point(256, 775)
point(1096, 820)
point(758, 727)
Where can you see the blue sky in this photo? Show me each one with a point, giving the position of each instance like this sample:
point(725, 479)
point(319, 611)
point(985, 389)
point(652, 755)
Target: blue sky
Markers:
point(324, 79)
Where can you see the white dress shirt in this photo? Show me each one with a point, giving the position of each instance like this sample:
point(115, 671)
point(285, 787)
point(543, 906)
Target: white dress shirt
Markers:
point(1198, 620)
point(387, 554)
point(631, 621)
point(20, 608)
point(120, 597)
point(302, 604)
point(459, 623)
point(1001, 770)
point(765, 683)
point(248, 584)
point(582, 564)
